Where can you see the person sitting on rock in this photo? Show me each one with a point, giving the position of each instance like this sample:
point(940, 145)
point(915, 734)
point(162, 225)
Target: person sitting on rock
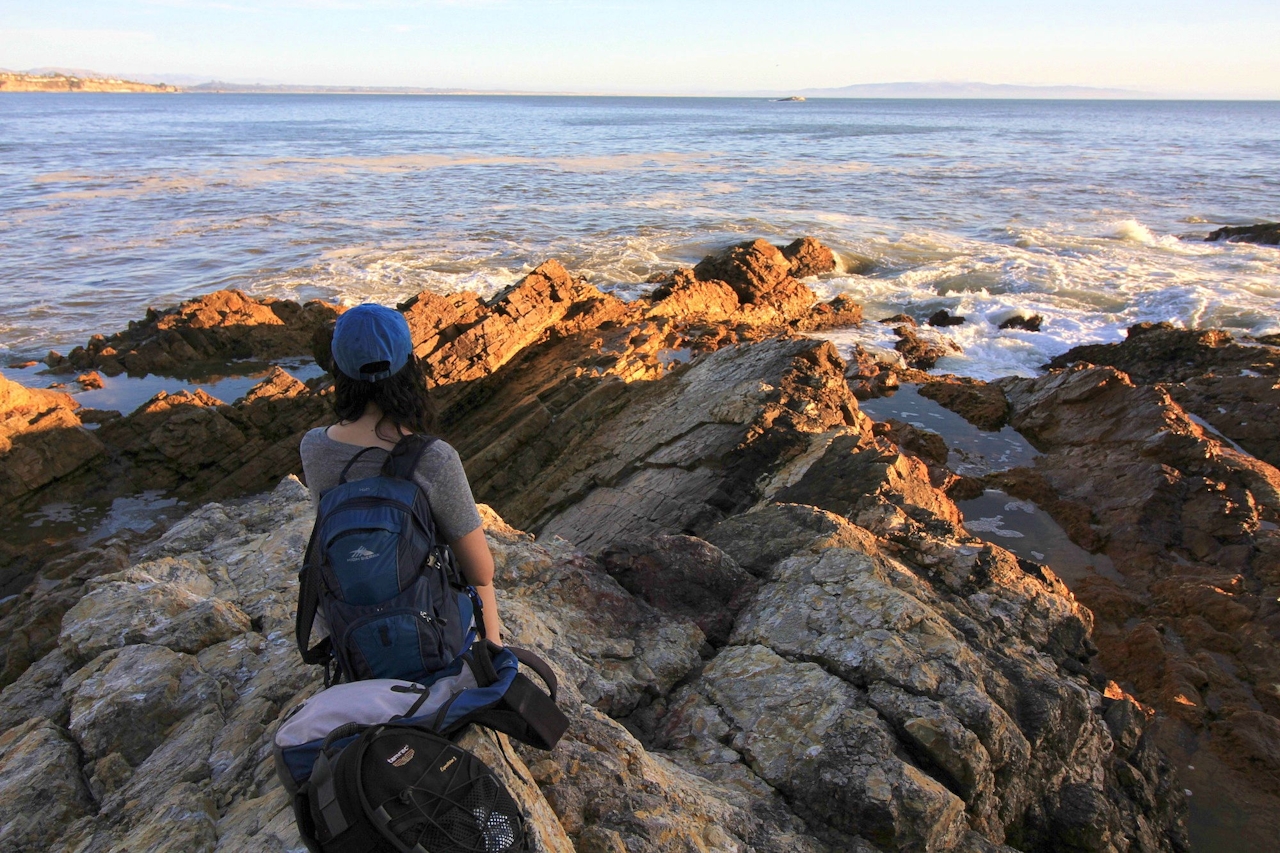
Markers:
point(380, 395)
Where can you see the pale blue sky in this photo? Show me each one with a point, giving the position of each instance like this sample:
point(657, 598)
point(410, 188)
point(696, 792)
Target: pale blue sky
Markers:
point(1173, 47)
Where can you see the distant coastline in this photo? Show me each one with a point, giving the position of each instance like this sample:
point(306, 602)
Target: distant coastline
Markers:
point(53, 79)
point(19, 82)
point(59, 79)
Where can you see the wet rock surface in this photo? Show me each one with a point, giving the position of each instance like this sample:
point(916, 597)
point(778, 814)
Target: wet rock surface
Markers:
point(1026, 322)
point(1232, 385)
point(1266, 233)
point(919, 350)
point(1190, 622)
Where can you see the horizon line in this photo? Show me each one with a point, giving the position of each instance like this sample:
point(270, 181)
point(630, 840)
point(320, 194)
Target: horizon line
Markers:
point(913, 90)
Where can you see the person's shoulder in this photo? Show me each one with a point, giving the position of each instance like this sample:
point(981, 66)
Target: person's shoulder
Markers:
point(438, 455)
point(313, 436)
point(441, 450)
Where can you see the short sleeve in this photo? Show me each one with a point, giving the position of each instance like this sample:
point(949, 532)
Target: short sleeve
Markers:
point(441, 476)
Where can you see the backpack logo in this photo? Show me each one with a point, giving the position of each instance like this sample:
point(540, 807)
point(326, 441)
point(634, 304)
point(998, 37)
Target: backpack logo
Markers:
point(361, 553)
point(402, 757)
point(448, 764)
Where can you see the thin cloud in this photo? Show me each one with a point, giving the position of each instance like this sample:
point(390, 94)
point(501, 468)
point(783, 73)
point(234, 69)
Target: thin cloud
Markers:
point(28, 34)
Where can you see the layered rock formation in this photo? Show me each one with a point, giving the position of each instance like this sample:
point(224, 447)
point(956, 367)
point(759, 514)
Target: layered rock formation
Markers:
point(773, 630)
point(1233, 385)
point(1144, 462)
point(202, 333)
point(857, 705)
point(40, 439)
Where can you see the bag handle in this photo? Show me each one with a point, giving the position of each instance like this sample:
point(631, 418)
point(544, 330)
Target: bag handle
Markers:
point(539, 666)
point(342, 731)
point(485, 651)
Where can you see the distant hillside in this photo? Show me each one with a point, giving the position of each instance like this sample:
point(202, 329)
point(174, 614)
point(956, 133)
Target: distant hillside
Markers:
point(298, 89)
point(57, 82)
point(968, 90)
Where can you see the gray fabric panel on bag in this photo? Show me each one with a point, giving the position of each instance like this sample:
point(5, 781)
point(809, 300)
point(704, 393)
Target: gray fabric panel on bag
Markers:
point(365, 702)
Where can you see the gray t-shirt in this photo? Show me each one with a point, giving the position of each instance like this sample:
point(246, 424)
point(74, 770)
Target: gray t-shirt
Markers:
point(439, 474)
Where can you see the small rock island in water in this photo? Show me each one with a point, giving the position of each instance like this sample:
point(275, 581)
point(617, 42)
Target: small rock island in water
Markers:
point(772, 629)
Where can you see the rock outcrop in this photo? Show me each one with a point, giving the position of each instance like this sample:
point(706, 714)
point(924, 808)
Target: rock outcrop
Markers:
point(1266, 233)
point(223, 326)
point(772, 631)
point(41, 439)
point(196, 448)
point(1190, 621)
point(1233, 386)
point(858, 705)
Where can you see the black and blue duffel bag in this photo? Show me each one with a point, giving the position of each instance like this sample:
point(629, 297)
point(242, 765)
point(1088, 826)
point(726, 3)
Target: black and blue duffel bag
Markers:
point(483, 686)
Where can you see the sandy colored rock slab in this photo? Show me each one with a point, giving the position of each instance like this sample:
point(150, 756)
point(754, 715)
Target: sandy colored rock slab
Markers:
point(151, 686)
point(138, 608)
point(811, 735)
point(41, 784)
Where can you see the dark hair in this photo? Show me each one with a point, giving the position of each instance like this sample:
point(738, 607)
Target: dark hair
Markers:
point(402, 397)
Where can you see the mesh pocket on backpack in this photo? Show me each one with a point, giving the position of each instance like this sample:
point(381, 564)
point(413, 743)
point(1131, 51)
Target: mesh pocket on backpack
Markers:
point(441, 798)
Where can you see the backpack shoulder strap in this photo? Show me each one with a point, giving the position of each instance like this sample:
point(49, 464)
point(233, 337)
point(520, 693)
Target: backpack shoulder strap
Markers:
point(308, 602)
point(342, 477)
point(402, 460)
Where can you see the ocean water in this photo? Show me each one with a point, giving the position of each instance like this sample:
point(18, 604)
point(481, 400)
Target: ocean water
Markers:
point(1088, 213)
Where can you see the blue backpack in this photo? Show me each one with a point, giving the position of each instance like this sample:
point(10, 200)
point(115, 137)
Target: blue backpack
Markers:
point(389, 590)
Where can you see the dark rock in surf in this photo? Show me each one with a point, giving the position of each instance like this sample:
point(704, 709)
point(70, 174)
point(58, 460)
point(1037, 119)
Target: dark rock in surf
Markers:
point(1265, 233)
point(943, 317)
point(921, 352)
point(1027, 323)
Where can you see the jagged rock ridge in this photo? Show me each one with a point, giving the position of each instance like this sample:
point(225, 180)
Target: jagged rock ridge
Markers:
point(821, 658)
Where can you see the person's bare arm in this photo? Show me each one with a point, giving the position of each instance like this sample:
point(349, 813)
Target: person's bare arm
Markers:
point(472, 551)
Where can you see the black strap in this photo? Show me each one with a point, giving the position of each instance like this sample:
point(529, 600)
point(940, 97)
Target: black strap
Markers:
point(477, 606)
point(324, 790)
point(481, 660)
point(402, 460)
point(344, 730)
point(308, 601)
point(539, 666)
point(418, 703)
point(342, 478)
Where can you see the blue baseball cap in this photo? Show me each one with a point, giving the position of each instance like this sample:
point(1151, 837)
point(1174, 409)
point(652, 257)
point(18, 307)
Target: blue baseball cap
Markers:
point(371, 342)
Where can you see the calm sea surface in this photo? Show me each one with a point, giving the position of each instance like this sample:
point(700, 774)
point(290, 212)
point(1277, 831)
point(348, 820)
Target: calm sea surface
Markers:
point(1075, 210)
